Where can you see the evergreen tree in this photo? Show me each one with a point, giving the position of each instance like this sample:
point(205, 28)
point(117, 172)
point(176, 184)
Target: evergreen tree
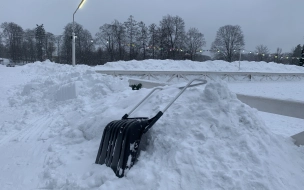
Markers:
point(40, 42)
point(1, 47)
point(296, 53)
point(301, 63)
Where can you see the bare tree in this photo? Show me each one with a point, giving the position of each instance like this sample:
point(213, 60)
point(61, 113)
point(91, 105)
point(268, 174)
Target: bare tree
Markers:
point(249, 56)
point(153, 34)
point(86, 46)
point(278, 56)
point(194, 41)
point(286, 58)
point(173, 33)
point(112, 38)
point(228, 42)
point(142, 37)
point(105, 37)
point(120, 38)
point(66, 49)
point(58, 40)
point(50, 45)
point(28, 46)
point(13, 35)
point(164, 49)
point(262, 53)
point(131, 34)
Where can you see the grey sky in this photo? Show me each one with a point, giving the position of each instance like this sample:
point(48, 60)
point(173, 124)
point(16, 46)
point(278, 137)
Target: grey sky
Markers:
point(274, 23)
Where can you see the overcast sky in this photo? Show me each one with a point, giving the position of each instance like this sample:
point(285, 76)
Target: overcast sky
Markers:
point(273, 23)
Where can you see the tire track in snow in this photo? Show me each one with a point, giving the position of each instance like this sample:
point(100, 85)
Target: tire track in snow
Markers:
point(35, 132)
point(32, 131)
point(25, 153)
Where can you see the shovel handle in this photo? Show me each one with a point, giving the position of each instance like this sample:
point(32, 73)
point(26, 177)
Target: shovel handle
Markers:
point(183, 88)
point(160, 113)
point(126, 115)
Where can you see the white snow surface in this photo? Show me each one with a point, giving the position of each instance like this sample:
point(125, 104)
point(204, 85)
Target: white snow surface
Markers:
point(52, 118)
point(187, 65)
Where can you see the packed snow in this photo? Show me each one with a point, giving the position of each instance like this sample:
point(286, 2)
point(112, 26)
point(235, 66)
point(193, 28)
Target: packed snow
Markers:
point(187, 65)
point(53, 115)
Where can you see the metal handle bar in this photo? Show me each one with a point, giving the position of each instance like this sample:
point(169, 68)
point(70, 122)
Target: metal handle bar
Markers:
point(160, 88)
point(183, 90)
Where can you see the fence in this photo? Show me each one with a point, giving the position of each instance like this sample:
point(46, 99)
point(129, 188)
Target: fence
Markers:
point(168, 76)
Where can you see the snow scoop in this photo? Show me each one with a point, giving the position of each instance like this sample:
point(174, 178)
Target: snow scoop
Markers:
point(119, 146)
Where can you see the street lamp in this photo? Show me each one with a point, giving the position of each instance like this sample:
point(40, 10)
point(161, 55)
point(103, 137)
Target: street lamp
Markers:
point(73, 34)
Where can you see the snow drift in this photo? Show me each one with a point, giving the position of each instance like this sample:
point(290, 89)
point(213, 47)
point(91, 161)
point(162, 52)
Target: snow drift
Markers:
point(187, 65)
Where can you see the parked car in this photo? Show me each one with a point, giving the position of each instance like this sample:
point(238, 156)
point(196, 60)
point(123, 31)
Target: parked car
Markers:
point(10, 65)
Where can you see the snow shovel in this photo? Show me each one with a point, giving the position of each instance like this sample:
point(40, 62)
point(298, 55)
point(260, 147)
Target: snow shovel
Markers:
point(121, 138)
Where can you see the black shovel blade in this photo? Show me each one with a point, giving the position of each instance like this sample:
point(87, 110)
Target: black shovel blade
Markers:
point(119, 144)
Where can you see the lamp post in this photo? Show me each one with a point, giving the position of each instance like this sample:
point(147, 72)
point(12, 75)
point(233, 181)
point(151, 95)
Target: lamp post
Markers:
point(73, 34)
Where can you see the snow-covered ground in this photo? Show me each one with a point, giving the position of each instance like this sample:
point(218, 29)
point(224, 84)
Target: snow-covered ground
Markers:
point(52, 117)
point(187, 65)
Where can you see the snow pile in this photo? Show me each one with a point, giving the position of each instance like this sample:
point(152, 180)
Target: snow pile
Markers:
point(62, 82)
point(207, 139)
point(215, 142)
point(187, 65)
point(55, 84)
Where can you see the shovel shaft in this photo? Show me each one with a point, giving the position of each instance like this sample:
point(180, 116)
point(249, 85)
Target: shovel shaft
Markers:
point(158, 88)
point(182, 91)
point(183, 88)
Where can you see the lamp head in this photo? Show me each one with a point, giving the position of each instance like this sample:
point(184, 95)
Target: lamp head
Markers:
point(81, 4)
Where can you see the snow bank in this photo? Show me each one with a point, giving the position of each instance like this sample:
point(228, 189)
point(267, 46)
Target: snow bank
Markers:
point(215, 142)
point(62, 82)
point(187, 65)
point(207, 139)
point(57, 87)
